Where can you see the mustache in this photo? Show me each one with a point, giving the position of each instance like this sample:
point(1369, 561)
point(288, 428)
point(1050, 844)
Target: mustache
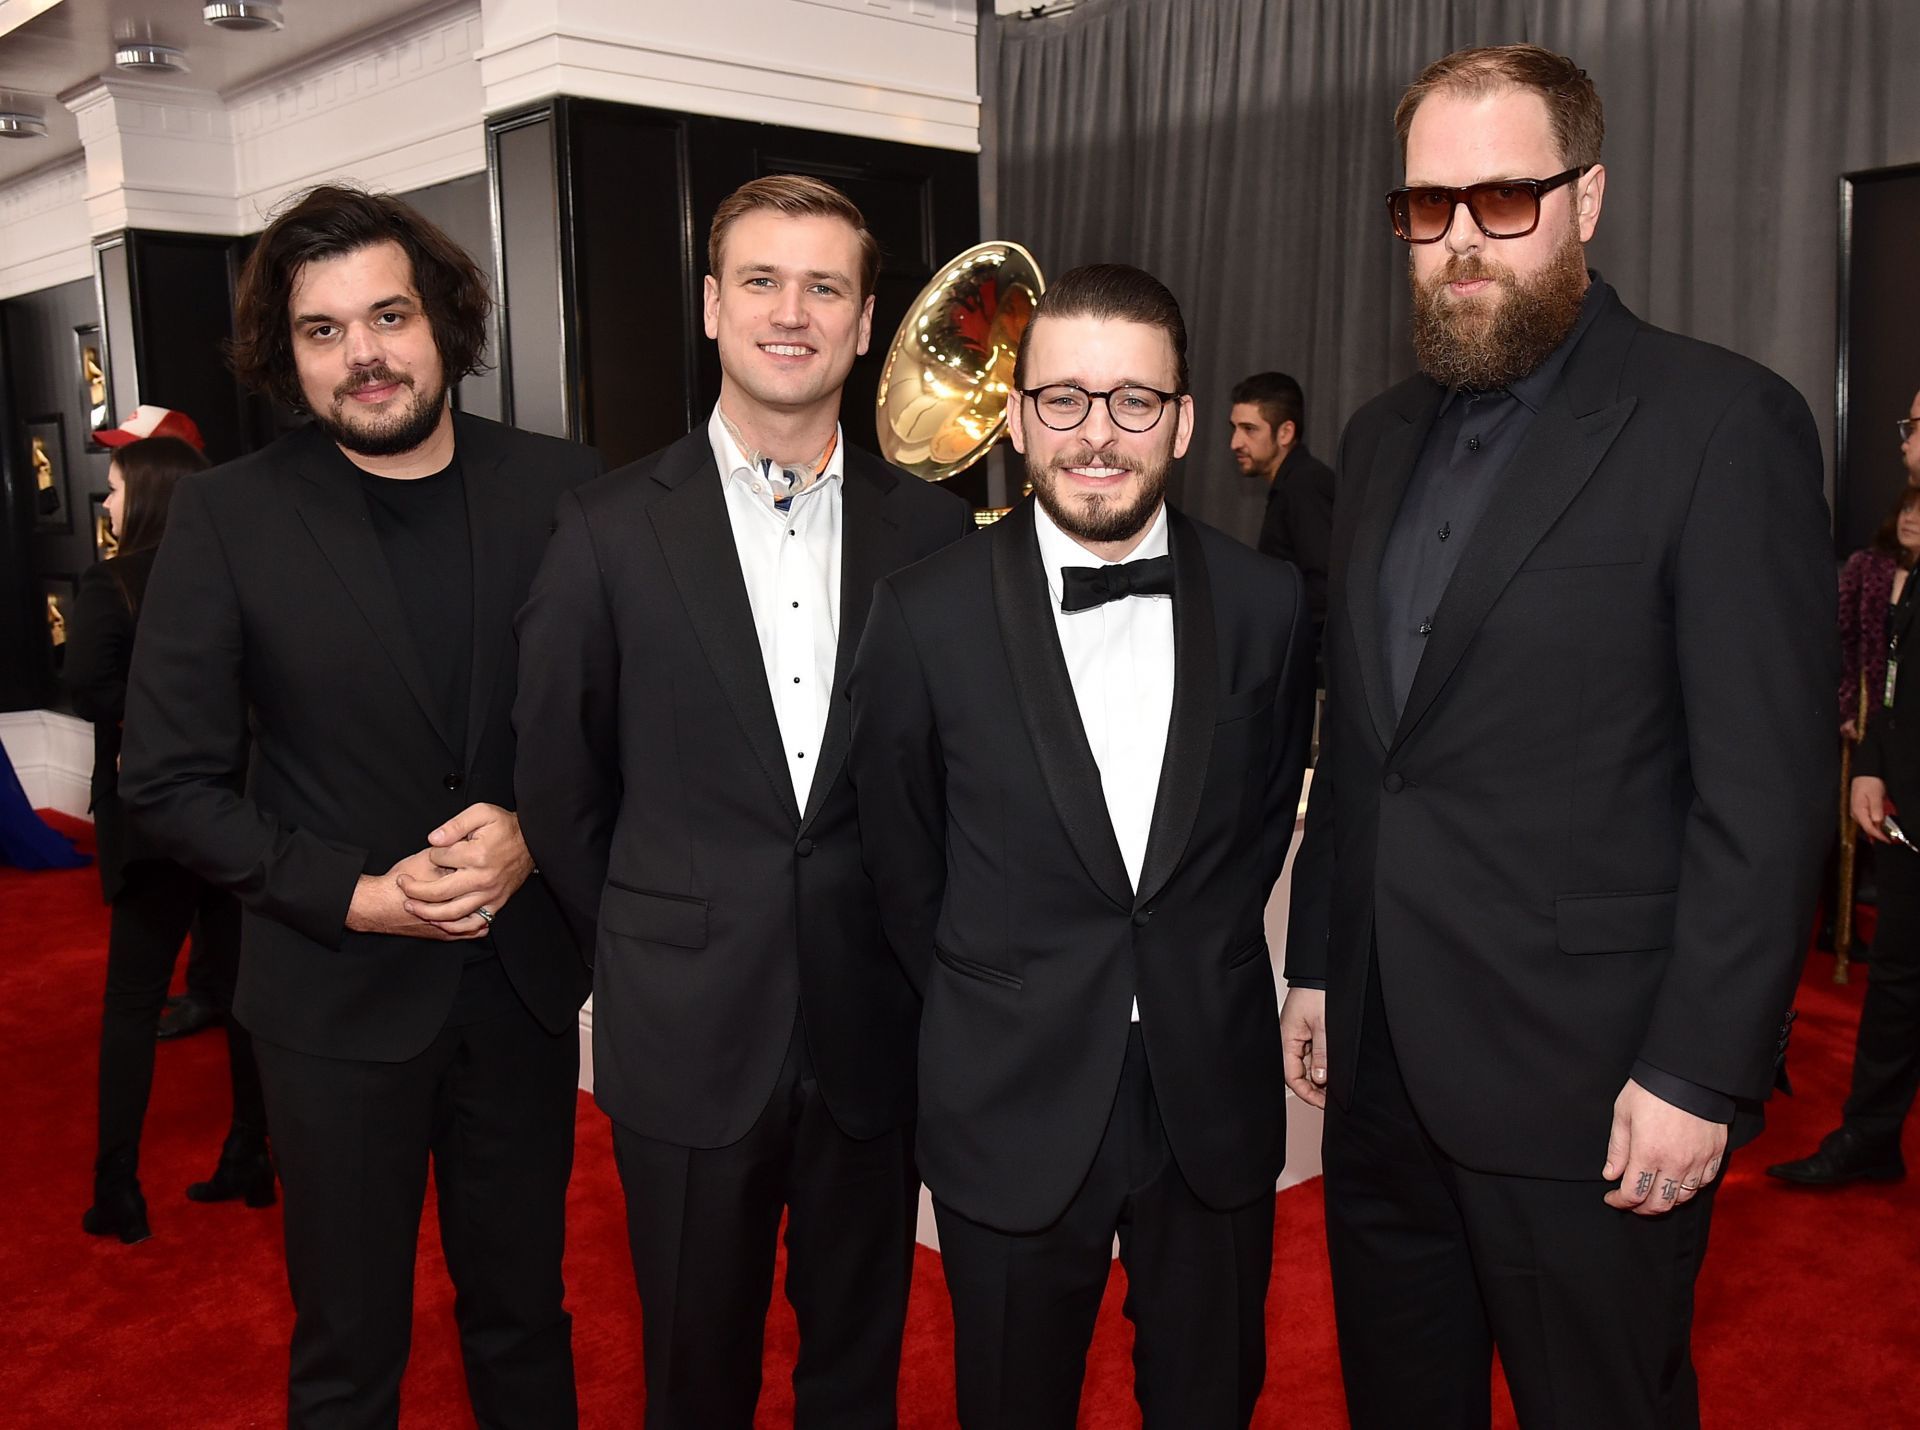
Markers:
point(1468, 268)
point(1087, 457)
point(372, 377)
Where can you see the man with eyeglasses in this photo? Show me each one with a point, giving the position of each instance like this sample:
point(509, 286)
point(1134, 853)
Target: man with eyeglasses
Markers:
point(1572, 792)
point(1909, 428)
point(1077, 747)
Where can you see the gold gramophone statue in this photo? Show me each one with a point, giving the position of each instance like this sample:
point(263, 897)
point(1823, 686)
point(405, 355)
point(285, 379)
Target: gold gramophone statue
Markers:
point(949, 371)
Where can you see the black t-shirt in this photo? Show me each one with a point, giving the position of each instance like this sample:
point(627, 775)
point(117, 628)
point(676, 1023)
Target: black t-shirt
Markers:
point(422, 526)
point(421, 523)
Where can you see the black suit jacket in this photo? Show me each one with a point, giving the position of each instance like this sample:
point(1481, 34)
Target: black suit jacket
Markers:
point(1004, 891)
point(1592, 835)
point(282, 738)
point(656, 797)
point(1298, 524)
point(106, 613)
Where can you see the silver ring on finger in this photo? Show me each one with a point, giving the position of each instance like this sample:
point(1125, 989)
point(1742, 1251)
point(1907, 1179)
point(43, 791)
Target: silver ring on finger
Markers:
point(485, 913)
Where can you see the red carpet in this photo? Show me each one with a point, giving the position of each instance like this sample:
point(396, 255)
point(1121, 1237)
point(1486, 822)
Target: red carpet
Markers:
point(1809, 1310)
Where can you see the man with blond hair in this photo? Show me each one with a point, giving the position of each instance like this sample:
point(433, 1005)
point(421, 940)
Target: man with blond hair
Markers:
point(1572, 793)
point(684, 660)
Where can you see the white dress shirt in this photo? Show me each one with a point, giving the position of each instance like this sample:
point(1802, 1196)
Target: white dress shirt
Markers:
point(1120, 660)
point(791, 562)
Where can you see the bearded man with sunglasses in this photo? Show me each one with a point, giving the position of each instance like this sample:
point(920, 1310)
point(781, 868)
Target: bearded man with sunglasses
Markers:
point(1572, 792)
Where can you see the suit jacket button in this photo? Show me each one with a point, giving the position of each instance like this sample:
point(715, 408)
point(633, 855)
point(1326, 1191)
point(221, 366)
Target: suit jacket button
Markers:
point(803, 848)
point(1140, 917)
point(453, 781)
point(1393, 783)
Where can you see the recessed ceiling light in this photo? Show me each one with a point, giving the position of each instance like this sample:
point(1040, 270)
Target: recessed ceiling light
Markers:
point(138, 55)
point(22, 126)
point(243, 14)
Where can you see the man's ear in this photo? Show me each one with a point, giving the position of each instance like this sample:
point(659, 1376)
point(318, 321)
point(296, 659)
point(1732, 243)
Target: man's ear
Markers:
point(1183, 427)
point(1287, 433)
point(1017, 421)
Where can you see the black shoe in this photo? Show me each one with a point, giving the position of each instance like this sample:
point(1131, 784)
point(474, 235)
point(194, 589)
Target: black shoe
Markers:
point(245, 1172)
point(1844, 1156)
point(118, 1210)
point(186, 1015)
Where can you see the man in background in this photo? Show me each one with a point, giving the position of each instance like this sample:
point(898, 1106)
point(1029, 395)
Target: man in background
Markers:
point(1270, 442)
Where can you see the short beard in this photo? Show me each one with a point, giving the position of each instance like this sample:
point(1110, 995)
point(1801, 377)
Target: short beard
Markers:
point(1096, 517)
point(389, 436)
point(1481, 344)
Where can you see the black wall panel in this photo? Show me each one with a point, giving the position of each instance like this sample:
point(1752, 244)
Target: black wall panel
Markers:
point(633, 191)
point(1879, 369)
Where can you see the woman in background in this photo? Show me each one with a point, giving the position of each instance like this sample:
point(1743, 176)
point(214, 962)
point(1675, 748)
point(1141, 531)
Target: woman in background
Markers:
point(154, 900)
point(1871, 583)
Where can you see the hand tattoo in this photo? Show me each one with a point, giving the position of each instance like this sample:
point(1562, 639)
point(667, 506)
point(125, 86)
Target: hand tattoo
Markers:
point(1667, 1189)
point(1644, 1185)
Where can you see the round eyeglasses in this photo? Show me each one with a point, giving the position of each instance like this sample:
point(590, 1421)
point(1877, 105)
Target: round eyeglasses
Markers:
point(1505, 208)
point(1063, 406)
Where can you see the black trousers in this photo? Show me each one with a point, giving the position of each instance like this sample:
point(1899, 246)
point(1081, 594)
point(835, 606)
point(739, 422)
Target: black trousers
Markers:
point(1886, 1057)
point(1024, 1305)
point(491, 1104)
point(158, 902)
point(1435, 1264)
point(703, 1225)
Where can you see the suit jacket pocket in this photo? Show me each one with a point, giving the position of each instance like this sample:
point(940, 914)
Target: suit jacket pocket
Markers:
point(1256, 946)
point(672, 919)
point(1567, 552)
point(1243, 703)
point(981, 972)
point(1615, 923)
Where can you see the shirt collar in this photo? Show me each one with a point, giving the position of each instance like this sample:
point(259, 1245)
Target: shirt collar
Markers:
point(733, 463)
point(1057, 549)
point(1533, 389)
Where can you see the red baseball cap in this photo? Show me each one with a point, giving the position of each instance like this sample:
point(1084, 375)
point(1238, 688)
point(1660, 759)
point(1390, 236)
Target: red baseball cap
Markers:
point(149, 421)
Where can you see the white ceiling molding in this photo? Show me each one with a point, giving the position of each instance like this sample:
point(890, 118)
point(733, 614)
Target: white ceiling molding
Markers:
point(843, 69)
point(417, 85)
point(43, 229)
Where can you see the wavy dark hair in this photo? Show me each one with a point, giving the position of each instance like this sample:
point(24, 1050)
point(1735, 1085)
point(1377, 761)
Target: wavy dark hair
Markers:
point(150, 469)
point(328, 222)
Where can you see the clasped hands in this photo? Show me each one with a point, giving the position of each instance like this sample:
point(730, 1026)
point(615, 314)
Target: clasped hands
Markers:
point(475, 861)
point(1662, 1154)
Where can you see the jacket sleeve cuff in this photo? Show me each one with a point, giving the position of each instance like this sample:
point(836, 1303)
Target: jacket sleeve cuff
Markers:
point(1317, 984)
point(1687, 1096)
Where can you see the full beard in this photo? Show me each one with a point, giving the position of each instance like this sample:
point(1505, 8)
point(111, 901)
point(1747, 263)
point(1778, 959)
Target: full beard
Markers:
point(1481, 344)
point(383, 434)
point(1101, 517)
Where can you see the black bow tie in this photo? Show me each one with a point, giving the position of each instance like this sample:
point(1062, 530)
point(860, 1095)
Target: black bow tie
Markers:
point(1084, 587)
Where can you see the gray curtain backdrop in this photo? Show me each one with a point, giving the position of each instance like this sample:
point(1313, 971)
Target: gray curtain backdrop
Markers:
point(1238, 149)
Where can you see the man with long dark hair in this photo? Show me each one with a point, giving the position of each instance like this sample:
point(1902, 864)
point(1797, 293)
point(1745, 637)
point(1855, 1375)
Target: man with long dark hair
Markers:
point(319, 720)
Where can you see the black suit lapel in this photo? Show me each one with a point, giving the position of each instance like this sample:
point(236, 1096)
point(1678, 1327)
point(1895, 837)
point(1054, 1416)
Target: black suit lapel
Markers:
point(1559, 453)
point(869, 549)
point(494, 524)
point(1023, 606)
point(1386, 486)
point(335, 512)
point(696, 538)
point(1183, 769)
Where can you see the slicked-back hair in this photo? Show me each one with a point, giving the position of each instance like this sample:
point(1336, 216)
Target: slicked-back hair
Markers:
point(796, 196)
point(149, 470)
point(1110, 292)
point(1279, 399)
point(1573, 104)
point(329, 222)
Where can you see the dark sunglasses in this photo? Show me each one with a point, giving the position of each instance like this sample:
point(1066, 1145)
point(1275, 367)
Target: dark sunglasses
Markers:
point(1505, 208)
